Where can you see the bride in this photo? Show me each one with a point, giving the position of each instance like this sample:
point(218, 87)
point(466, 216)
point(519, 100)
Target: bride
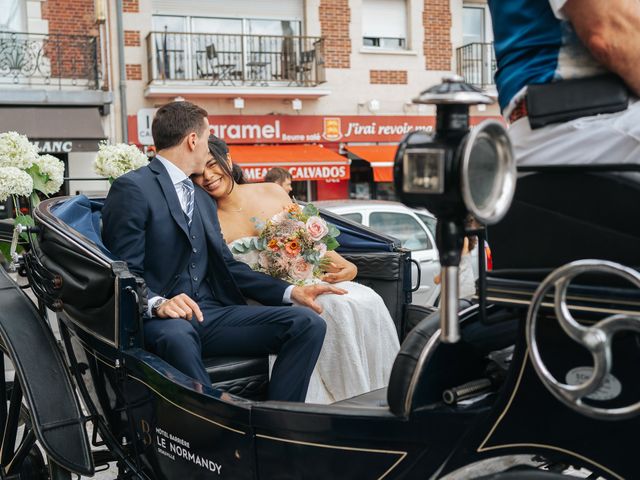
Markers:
point(361, 342)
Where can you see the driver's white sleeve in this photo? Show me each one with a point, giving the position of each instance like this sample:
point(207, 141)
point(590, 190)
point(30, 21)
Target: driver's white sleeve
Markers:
point(557, 6)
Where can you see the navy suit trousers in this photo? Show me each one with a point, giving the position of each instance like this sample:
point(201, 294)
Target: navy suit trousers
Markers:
point(295, 334)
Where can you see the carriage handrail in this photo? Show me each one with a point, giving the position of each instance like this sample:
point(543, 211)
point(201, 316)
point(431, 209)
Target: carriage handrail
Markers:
point(597, 338)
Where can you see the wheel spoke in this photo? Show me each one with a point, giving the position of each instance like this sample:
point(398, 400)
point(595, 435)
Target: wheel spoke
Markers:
point(23, 450)
point(11, 425)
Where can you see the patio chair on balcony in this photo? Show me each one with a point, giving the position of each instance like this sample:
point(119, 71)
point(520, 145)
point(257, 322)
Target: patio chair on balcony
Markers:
point(220, 72)
point(257, 65)
point(302, 71)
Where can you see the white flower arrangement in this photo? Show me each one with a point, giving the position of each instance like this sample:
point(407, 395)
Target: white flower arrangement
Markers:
point(16, 151)
point(14, 181)
point(114, 161)
point(49, 175)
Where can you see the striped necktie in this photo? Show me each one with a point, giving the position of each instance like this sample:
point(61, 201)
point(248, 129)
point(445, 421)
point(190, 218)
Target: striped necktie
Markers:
point(187, 188)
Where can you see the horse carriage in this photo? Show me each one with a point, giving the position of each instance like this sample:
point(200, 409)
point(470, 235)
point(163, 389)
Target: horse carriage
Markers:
point(540, 368)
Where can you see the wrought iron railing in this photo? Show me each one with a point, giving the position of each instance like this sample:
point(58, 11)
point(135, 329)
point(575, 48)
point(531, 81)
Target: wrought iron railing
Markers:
point(235, 60)
point(477, 63)
point(56, 60)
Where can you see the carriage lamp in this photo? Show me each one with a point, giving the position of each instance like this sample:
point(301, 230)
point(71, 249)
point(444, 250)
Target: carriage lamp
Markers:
point(454, 171)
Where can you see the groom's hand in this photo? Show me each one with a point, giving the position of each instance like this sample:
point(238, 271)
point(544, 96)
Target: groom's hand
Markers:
point(307, 294)
point(180, 306)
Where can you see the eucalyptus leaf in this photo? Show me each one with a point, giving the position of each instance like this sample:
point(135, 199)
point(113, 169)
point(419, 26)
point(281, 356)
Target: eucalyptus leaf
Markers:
point(333, 231)
point(331, 243)
point(310, 210)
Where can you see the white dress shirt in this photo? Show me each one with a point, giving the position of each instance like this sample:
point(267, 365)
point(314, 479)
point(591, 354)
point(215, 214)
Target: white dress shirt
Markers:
point(177, 176)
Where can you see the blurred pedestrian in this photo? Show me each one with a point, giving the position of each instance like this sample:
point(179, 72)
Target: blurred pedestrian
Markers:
point(281, 177)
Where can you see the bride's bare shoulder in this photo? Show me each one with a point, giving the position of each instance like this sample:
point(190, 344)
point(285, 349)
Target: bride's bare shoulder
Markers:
point(272, 191)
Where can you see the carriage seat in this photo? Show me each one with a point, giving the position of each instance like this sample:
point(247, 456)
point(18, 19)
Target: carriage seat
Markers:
point(243, 376)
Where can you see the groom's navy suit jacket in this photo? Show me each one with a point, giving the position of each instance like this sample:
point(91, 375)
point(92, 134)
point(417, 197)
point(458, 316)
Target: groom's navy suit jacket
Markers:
point(145, 225)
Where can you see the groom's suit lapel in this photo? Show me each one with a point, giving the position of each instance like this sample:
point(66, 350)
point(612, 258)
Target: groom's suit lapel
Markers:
point(209, 217)
point(170, 194)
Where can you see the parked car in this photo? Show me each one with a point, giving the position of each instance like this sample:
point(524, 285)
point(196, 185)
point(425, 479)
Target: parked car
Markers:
point(415, 229)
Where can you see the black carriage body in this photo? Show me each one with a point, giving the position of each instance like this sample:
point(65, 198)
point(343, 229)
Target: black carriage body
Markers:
point(156, 419)
point(160, 425)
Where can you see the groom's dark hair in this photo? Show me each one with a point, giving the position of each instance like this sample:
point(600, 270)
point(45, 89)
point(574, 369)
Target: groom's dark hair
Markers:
point(176, 120)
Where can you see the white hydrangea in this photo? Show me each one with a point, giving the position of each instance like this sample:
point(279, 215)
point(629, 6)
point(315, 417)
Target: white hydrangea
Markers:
point(51, 174)
point(14, 181)
point(16, 151)
point(116, 160)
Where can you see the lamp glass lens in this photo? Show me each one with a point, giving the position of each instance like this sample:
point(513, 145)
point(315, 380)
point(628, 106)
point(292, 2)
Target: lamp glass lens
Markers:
point(483, 171)
point(423, 170)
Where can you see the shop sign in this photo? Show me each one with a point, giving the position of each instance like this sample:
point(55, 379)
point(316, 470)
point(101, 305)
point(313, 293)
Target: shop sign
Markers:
point(301, 172)
point(274, 129)
point(67, 146)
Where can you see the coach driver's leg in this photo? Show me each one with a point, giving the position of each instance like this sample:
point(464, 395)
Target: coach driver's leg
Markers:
point(177, 342)
point(295, 334)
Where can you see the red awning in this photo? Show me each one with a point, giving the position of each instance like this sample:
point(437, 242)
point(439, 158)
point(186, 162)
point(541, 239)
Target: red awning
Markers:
point(379, 156)
point(304, 162)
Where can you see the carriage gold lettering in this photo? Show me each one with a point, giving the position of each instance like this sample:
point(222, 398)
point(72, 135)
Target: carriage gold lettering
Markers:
point(146, 432)
point(194, 458)
point(170, 445)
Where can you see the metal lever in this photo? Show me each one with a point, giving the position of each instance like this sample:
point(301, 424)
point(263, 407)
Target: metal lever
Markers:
point(449, 323)
point(15, 259)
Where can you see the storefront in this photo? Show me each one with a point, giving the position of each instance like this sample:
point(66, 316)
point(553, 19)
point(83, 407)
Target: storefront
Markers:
point(70, 134)
point(329, 157)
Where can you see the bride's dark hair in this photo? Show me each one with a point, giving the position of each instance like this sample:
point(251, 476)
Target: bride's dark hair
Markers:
point(220, 150)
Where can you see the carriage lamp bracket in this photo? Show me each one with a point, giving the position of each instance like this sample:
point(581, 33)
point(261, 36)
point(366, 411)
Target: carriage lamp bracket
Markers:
point(455, 171)
point(597, 338)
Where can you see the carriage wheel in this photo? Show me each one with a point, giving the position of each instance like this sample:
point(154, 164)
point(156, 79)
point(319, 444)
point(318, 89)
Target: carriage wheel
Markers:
point(20, 456)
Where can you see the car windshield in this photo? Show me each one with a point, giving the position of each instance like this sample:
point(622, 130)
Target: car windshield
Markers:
point(401, 226)
point(429, 221)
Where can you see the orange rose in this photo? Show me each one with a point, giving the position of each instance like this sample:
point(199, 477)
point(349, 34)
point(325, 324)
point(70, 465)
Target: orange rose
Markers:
point(293, 208)
point(293, 248)
point(273, 244)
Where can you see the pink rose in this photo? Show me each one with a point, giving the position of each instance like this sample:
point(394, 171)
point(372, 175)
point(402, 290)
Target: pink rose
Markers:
point(301, 270)
point(317, 228)
point(321, 248)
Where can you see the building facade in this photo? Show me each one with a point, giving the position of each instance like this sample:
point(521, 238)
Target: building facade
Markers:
point(322, 88)
point(54, 80)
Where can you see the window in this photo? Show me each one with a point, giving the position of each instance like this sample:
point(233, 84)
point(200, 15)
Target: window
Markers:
point(403, 227)
point(384, 24)
point(429, 221)
point(354, 217)
point(12, 16)
point(473, 25)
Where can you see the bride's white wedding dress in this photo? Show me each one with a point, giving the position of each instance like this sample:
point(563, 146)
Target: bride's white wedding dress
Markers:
point(360, 345)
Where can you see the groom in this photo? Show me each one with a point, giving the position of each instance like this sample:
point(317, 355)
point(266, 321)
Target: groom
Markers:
point(168, 233)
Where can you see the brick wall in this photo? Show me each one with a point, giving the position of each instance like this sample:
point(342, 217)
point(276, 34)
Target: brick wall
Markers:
point(389, 77)
point(71, 57)
point(335, 16)
point(436, 19)
point(130, 6)
point(132, 38)
point(134, 71)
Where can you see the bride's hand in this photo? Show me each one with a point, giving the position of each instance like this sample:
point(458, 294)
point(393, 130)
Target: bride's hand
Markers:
point(339, 270)
point(306, 295)
point(340, 273)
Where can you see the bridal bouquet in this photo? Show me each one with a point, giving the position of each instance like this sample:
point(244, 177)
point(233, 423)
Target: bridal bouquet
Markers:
point(114, 161)
point(23, 173)
point(292, 245)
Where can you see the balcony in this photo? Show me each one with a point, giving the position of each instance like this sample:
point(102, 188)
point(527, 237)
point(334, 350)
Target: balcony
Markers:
point(226, 65)
point(55, 62)
point(477, 64)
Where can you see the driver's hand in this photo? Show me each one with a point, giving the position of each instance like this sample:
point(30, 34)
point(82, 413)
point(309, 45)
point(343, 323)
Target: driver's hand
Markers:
point(180, 306)
point(307, 294)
